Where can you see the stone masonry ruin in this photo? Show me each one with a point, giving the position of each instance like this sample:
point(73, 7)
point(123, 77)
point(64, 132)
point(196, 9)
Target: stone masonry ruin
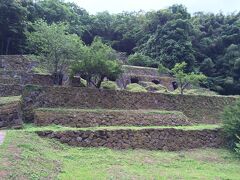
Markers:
point(107, 118)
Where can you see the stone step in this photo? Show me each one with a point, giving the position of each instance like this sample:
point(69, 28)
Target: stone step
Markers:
point(152, 138)
point(108, 117)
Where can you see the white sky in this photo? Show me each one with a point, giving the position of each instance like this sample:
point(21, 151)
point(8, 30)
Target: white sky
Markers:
point(116, 6)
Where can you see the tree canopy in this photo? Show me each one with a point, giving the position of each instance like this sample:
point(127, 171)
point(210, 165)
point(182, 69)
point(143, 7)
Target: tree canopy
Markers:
point(97, 62)
point(207, 42)
point(55, 47)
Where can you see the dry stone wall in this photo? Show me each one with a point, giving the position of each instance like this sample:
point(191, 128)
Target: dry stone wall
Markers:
point(88, 118)
point(10, 115)
point(10, 90)
point(16, 62)
point(153, 139)
point(21, 77)
point(198, 108)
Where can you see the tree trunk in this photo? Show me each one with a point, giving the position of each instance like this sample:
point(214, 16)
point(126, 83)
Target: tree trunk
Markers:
point(8, 44)
point(58, 78)
point(100, 82)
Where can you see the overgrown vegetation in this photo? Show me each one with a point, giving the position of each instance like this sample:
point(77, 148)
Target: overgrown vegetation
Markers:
point(207, 42)
point(96, 62)
point(109, 85)
point(134, 87)
point(139, 59)
point(186, 79)
point(231, 125)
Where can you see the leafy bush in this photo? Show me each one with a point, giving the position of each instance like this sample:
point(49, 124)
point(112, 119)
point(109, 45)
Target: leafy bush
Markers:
point(163, 70)
point(139, 59)
point(109, 85)
point(231, 124)
point(156, 87)
point(134, 87)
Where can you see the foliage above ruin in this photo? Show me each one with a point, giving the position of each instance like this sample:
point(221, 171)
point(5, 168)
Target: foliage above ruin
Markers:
point(97, 62)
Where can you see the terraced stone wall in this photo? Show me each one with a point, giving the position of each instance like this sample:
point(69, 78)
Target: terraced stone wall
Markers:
point(21, 77)
point(95, 118)
point(16, 62)
point(10, 90)
point(10, 115)
point(198, 108)
point(153, 139)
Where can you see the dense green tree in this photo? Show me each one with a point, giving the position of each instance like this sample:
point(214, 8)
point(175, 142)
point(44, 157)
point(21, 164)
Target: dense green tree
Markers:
point(96, 63)
point(55, 47)
point(139, 59)
point(13, 23)
point(171, 43)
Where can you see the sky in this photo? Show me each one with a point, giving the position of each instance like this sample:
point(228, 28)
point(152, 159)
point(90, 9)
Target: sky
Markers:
point(116, 6)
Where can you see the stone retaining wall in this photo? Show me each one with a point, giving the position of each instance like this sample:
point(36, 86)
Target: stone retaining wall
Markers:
point(153, 139)
point(10, 90)
point(125, 79)
point(198, 108)
point(22, 77)
point(16, 62)
point(11, 115)
point(85, 118)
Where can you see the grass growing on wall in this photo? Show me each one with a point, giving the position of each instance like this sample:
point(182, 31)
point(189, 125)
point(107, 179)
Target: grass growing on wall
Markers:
point(134, 87)
point(32, 128)
point(24, 155)
point(9, 99)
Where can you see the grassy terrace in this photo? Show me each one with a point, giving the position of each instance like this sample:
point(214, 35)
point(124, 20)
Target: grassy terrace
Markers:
point(32, 128)
point(147, 111)
point(10, 99)
point(24, 155)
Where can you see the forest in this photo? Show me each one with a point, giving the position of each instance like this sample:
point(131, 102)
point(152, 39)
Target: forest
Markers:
point(209, 43)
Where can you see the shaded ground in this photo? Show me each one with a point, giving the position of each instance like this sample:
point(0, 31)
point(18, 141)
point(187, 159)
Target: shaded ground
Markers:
point(24, 155)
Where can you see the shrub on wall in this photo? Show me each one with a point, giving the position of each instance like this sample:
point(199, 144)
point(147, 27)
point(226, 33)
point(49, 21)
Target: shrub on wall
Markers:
point(231, 124)
point(156, 87)
point(134, 87)
point(109, 85)
point(139, 59)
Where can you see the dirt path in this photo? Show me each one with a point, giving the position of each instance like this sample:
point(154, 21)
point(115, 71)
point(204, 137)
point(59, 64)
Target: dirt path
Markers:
point(2, 136)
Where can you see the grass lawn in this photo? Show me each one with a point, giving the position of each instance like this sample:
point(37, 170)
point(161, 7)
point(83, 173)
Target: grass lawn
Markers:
point(24, 155)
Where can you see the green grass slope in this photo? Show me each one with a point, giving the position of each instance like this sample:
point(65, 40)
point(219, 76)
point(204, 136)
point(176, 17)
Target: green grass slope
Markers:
point(24, 155)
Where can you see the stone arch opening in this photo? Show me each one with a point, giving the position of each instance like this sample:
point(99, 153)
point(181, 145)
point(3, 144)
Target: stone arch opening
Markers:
point(134, 80)
point(156, 81)
point(175, 85)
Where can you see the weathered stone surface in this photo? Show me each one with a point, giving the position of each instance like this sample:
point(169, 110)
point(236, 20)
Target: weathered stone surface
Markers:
point(197, 108)
point(11, 115)
point(10, 90)
point(22, 77)
point(84, 118)
point(153, 139)
point(16, 62)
